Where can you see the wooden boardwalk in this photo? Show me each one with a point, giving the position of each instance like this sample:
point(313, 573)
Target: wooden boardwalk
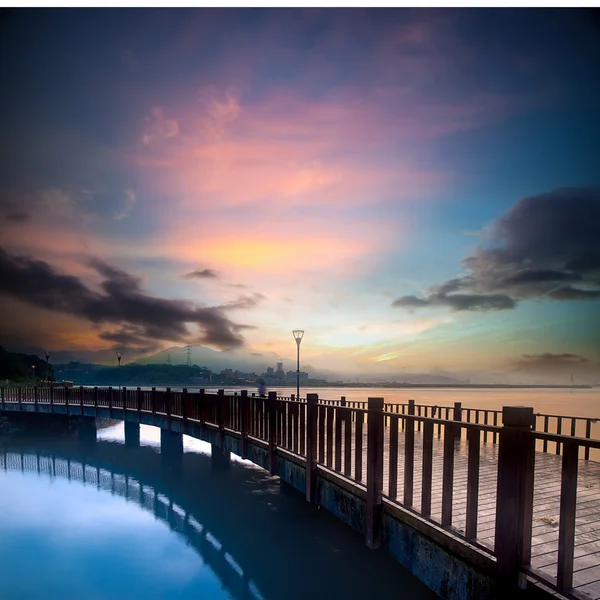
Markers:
point(546, 507)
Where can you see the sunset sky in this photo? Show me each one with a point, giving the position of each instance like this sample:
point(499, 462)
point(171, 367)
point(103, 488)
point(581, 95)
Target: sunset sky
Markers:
point(417, 189)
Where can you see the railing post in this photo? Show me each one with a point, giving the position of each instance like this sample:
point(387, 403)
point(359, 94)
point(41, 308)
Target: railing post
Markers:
point(96, 400)
point(168, 407)
point(20, 397)
point(221, 416)
point(374, 472)
point(312, 407)
point(272, 410)
point(140, 400)
point(243, 407)
point(51, 398)
point(3, 399)
point(35, 398)
point(458, 417)
point(153, 400)
point(110, 401)
point(514, 501)
point(81, 399)
point(184, 398)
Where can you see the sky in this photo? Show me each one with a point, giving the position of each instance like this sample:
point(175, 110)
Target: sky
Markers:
point(416, 189)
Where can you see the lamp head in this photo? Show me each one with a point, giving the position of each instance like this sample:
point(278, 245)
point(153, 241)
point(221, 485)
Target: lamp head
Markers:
point(298, 335)
point(47, 355)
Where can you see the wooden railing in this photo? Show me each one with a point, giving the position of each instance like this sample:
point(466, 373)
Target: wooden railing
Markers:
point(386, 451)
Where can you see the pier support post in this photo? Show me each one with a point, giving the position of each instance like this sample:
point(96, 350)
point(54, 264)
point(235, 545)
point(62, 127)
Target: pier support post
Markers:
point(132, 434)
point(220, 459)
point(374, 472)
point(514, 500)
point(312, 412)
point(272, 411)
point(171, 443)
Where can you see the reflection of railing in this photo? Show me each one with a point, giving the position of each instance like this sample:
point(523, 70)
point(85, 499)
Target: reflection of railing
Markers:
point(497, 496)
point(213, 552)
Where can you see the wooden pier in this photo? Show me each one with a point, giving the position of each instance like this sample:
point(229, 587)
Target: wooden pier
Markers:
point(500, 484)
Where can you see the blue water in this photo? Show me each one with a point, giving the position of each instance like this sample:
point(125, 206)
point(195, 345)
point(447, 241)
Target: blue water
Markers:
point(134, 523)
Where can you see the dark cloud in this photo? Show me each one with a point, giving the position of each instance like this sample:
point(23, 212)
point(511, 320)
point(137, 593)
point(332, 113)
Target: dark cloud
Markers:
point(545, 246)
point(458, 302)
point(202, 274)
point(548, 363)
point(244, 302)
point(17, 217)
point(123, 302)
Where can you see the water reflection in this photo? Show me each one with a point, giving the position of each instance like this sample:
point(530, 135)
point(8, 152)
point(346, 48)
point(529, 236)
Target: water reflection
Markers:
point(103, 520)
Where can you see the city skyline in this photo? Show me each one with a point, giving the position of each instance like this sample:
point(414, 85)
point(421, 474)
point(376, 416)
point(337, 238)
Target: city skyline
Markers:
point(416, 189)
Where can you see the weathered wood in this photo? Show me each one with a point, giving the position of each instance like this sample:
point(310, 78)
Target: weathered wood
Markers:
point(448, 474)
point(588, 435)
point(321, 416)
point(244, 417)
point(338, 440)
point(302, 408)
point(472, 483)
point(374, 472)
point(347, 442)
point(358, 446)
point(272, 412)
point(409, 455)
point(511, 496)
point(393, 458)
point(329, 416)
point(568, 506)
point(426, 469)
point(312, 410)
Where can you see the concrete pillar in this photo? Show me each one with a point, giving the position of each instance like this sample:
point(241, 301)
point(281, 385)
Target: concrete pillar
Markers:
point(86, 429)
point(132, 434)
point(171, 442)
point(220, 459)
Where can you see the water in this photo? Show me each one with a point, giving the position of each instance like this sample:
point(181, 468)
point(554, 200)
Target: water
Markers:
point(101, 520)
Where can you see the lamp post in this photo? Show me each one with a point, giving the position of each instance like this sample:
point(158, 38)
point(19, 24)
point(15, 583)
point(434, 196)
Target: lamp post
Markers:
point(47, 359)
point(119, 356)
point(298, 335)
point(33, 373)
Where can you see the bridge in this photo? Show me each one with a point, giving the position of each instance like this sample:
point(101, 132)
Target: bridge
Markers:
point(468, 500)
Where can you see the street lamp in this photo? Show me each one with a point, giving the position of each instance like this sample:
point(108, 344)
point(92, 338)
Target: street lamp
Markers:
point(298, 335)
point(33, 373)
point(119, 356)
point(47, 359)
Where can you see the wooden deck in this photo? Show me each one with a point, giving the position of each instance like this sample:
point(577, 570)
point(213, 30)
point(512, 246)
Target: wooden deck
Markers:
point(544, 551)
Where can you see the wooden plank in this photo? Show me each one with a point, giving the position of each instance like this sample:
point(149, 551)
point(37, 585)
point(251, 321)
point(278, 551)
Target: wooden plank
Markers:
point(393, 458)
point(338, 439)
point(358, 446)
point(409, 461)
point(321, 414)
point(448, 474)
point(568, 506)
point(473, 482)
point(427, 465)
point(348, 442)
point(330, 414)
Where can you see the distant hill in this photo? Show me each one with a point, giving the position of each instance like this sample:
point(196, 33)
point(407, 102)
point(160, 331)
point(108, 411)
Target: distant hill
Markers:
point(242, 360)
point(23, 368)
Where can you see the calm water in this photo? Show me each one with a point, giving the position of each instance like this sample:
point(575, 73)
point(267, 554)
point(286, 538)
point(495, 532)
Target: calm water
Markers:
point(571, 402)
point(101, 520)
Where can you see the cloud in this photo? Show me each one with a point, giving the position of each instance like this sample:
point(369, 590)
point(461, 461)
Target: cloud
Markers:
point(458, 302)
point(545, 246)
point(121, 302)
point(158, 126)
point(202, 274)
point(557, 365)
point(129, 200)
point(244, 302)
